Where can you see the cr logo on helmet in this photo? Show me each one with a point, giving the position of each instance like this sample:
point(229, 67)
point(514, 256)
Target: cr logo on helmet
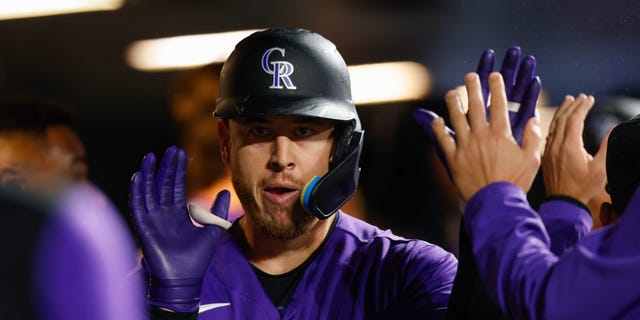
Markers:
point(281, 70)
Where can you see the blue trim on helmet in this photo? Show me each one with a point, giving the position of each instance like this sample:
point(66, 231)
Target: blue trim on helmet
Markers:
point(306, 192)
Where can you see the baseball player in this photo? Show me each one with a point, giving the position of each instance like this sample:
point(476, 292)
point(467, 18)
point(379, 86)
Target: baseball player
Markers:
point(292, 138)
point(597, 277)
point(469, 299)
point(564, 213)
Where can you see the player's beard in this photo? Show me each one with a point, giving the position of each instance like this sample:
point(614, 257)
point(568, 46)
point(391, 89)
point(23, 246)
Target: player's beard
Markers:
point(299, 224)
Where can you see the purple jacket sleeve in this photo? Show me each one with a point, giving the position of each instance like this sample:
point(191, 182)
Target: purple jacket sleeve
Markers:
point(566, 224)
point(81, 265)
point(511, 247)
point(597, 279)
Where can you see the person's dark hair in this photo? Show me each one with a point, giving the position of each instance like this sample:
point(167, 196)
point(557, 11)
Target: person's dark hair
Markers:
point(623, 156)
point(24, 112)
point(607, 111)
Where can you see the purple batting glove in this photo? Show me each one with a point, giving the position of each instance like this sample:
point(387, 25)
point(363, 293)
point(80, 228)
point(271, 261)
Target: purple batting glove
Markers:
point(424, 118)
point(176, 253)
point(485, 67)
point(522, 86)
point(519, 115)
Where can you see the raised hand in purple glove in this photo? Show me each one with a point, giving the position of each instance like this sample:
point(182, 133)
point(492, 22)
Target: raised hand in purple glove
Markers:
point(176, 253)
point(424, 118)
point(521, 85)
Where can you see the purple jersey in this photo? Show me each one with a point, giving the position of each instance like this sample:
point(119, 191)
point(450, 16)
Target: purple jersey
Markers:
point(597, 278)
point(566, 224)
point(360, 272)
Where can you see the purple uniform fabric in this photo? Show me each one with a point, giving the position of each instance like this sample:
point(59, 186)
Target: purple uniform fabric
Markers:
point(566, 224)
point(597, 279)
point(361, 272)
point(83, 260)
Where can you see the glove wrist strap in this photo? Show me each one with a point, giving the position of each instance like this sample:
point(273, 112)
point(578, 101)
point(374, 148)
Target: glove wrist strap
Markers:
point(181, 295)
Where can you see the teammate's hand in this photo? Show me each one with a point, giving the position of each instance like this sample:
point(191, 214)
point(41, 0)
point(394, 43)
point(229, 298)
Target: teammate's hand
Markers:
point(568, 169)
point(176, 253)
point(521, 84)
point(486, 152)
point(522, 88)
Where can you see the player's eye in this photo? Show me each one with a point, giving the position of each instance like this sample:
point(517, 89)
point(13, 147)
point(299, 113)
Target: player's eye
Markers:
point(259, 132)
point(304, 132)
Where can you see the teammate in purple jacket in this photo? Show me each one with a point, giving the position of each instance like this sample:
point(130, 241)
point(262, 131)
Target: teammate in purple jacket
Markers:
point(597, 278)
point(292, 138)
point(67, 256)
point(572, 176)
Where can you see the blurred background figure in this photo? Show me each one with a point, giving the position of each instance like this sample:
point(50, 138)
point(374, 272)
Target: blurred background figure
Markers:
point(39, 144)
point(67, 248)
point(192, 97)
point(67, 256)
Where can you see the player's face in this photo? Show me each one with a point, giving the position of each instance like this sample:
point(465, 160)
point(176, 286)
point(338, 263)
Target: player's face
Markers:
point(271, 159)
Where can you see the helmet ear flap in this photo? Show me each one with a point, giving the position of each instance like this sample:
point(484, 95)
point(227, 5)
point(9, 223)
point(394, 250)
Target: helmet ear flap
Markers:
point(341, 138)
point(323, 196)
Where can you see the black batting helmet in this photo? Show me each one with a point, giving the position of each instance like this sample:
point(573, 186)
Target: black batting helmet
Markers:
point(622, 160)
point(290, 71)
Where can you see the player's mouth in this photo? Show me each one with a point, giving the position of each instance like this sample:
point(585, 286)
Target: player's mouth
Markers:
point(281, 194)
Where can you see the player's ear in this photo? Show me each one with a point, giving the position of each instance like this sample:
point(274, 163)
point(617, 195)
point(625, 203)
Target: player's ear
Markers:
point(607, 214)
point(224, 139)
